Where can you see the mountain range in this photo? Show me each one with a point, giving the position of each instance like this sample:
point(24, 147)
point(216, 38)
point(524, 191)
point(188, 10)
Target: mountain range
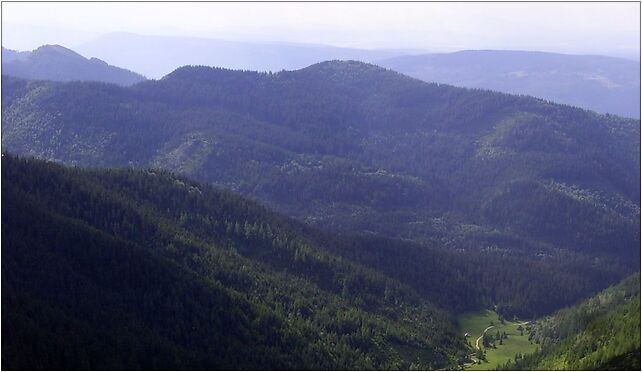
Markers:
point(337, 216)
point(603, 84)
point(134, 51)
point(599, 83)
point(351, 147)
point(57, 63)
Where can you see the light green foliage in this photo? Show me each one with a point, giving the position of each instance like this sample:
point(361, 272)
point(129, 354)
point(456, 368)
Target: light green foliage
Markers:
point(602, 332)
point(476, 323)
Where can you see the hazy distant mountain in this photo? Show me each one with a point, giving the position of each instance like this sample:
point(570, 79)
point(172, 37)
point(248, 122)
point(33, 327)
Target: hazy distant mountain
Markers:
point(54, 62)
point(156, 56)
point(603, 84)
point(9, 55)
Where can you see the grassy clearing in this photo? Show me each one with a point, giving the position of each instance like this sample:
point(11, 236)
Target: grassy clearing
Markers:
point(475, 323)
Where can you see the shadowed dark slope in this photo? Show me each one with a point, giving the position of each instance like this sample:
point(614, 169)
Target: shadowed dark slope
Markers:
point(125, 269)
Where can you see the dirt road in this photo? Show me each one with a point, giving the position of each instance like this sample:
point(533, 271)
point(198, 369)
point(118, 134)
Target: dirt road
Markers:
point(482, 336)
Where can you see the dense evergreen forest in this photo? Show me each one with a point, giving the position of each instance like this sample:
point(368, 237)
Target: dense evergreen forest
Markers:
point(601, 333)
point(334, 217)
point(352, 147)
point(143, 269)
point(128, 269)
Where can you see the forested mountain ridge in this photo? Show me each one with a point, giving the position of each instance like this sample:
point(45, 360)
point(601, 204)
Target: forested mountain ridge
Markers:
point(601, 333)
point(142, 269)
point(125, 269)
point(57, 63)
point(353, 147)
point(599, 83)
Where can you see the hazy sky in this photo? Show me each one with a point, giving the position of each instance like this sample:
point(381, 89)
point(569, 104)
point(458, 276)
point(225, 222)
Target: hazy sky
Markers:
point(601, 28)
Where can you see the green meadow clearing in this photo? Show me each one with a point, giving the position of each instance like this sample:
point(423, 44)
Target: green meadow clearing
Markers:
point(475, 323)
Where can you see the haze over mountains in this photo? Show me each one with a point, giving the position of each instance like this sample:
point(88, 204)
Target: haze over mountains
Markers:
point(599, 83)
point(603, 84)
point(57, 63)
point(134, 52)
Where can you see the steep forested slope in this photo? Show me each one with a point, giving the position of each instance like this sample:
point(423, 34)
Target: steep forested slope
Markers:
point(127, 269)
point(142, 269)
point(57, 63)
point(599, 83)
point(601, 333)
point(353, 147)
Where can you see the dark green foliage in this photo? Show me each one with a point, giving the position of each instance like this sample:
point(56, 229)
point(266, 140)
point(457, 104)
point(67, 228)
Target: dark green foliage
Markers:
point(466, 280)
point(147, 270)
point(124, 269)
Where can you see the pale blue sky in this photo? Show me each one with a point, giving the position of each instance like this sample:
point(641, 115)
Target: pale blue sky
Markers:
point(597, 28)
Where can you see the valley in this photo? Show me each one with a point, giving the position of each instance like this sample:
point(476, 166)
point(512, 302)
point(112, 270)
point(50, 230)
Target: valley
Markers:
point(497, 339)
point(257, 278)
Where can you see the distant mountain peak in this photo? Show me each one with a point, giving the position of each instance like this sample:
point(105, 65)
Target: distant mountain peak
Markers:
point(336, 70)
point(56, 50)
point(58, 63)
point(98, 61)
point(9, 55)
point(344, 65)
point(200, 73)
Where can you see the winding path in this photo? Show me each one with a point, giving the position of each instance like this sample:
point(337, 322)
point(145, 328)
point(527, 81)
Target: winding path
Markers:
point(482, 335)
point(472, 356)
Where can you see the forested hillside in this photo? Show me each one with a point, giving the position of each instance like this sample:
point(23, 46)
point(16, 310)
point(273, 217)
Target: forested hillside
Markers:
point(103, 268)
point(601, 333)
point(352, 147)
point(125, 269)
